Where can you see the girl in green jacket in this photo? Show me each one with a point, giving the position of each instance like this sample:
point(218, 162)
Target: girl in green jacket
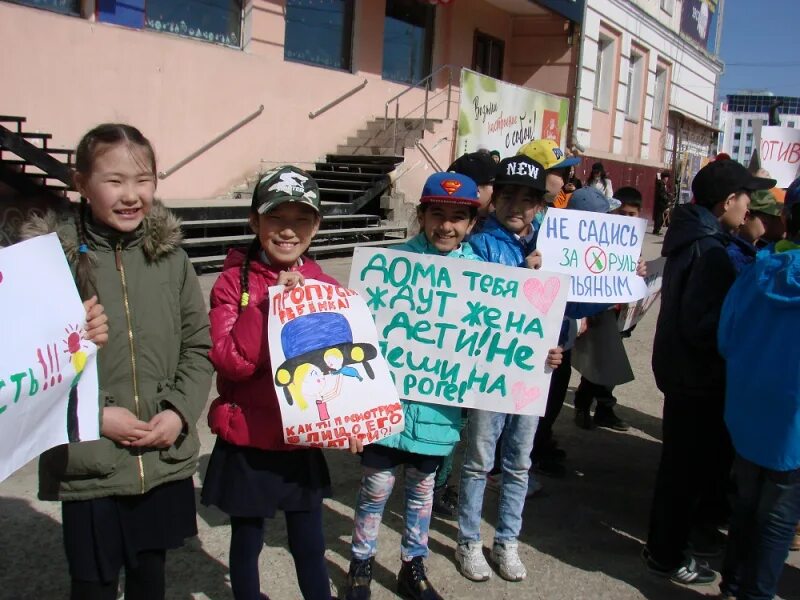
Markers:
point(129, 496)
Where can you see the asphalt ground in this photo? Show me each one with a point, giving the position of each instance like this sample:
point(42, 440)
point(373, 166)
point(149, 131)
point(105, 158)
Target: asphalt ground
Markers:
point(581, 536)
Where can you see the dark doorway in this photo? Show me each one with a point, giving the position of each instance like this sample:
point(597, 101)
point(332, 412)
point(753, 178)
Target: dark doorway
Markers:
point(487, 55)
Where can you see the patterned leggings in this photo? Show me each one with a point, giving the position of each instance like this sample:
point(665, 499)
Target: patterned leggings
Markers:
point(376, 487)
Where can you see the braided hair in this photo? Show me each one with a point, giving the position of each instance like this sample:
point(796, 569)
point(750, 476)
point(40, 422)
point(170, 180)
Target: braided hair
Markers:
point(244, 272)
point(93, 143)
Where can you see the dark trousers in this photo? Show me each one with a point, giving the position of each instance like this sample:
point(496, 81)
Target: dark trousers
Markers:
point(559, 382)
point(765, 514)
point(306, 543)
point(658, 217)
point(588, 391)
point(693, 472)
point(144, 582)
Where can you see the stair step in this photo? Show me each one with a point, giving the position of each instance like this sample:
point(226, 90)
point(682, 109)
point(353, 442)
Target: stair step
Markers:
point(363, 160)
point(354, 177)
point(314, 250)
point(367, 151)
point(358, 186)
point(229, 240)
point(29, 135)
point(193, 224)
point(339, 191)
point(10, 119)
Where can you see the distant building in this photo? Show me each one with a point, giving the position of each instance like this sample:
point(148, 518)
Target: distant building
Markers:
point(741, 116)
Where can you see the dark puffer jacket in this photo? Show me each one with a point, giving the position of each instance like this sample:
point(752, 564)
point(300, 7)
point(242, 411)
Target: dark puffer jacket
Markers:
point(697, 276)
point(156, 357)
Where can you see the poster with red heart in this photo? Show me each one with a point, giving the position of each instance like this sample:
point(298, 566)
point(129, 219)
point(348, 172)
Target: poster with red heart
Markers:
point(465, 333)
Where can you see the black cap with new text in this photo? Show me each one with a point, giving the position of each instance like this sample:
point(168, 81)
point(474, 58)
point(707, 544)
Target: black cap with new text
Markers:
point(721, 178)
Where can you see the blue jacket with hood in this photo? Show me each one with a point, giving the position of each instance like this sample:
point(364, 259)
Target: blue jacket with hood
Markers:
point(758, 338)
point(430, 429)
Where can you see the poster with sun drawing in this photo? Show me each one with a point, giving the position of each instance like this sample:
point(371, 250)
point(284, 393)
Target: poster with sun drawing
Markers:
point(331, 380)
point(48, 372)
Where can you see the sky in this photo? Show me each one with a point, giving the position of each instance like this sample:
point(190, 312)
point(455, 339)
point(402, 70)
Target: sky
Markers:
point(760, 46)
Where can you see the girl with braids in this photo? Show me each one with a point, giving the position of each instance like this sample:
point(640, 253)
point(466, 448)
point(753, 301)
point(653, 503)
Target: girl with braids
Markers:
point(252, 473)
point(128, 497)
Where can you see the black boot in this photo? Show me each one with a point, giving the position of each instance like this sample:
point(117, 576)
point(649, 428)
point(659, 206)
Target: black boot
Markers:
point(358, 579)
point(413, 583)
point(445, 502)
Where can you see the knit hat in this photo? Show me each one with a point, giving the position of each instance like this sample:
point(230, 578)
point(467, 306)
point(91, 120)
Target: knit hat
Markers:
point(478, 166)
point(548, 154)
point(450, 188)
point(285, 184)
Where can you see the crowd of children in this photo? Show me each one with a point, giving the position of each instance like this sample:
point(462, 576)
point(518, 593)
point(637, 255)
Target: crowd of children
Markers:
point(128, 497)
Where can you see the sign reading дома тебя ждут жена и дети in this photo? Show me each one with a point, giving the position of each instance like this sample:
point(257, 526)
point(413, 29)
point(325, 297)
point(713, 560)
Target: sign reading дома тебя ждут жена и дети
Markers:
point(48, 371)
point(600, 253)
point(461, 332)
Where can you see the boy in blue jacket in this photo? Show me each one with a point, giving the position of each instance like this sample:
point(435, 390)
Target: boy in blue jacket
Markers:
point(509, 238)
point(758, 339)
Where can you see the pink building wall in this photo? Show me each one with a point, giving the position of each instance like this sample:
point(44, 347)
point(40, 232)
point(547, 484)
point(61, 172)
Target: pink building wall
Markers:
point(181, 92)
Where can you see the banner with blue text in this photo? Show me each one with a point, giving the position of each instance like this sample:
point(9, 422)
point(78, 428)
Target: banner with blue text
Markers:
point(463, 333)
point(599, 251)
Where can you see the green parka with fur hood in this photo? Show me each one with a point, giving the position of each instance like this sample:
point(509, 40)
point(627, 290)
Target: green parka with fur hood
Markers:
point(156, 357)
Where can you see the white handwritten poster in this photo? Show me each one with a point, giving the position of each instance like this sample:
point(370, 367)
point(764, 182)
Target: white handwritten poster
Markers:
point(48, 372)
point(599, 251)
point(460, 332)
point(330, 378)
point(779, 151)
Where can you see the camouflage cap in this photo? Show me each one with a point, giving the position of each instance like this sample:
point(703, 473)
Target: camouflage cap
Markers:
point(285, 184)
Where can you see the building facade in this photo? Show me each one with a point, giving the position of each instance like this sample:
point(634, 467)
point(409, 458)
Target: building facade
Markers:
point(646, 86)
point(742, 115)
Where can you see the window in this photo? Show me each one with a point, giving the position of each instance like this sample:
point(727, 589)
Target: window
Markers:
point(738, 122)
point(791, 124)
point(218, 21)
point(749, 137)
point(407, 40)
point(736, 149)
point(633, 101)
point(667, 6)
point(749, 122)
point(659, 101)
point(748, 150)
point(210, 20)
point(67, 7)
point(604, 73)
point(488, 55)
point(737, 136)
point(319, 32)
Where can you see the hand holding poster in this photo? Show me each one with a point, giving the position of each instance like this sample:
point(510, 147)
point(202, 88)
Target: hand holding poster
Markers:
point(600, 252)
point(48, 372)
point(779, 150)
point(463, 332)
point(632, 313)
point(330, 379)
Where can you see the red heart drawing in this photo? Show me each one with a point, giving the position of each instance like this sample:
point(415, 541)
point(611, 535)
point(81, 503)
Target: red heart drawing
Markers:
point(523, 396)
point(542, 295)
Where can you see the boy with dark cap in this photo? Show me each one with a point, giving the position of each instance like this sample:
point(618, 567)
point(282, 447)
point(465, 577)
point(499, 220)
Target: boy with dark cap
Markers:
point(687, 365)
point(480, 167)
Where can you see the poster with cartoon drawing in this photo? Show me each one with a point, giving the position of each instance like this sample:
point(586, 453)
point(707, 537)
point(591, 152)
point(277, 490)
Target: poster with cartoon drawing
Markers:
point(330, 378)
point(48, 372)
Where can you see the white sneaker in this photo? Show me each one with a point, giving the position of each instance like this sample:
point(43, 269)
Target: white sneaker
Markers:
point(534, 486)
point(506, 557)
point(471, 562)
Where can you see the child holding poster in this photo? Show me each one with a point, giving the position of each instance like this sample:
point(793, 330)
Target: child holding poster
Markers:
point(252, 473)
point(128, 496)
point(509, 238)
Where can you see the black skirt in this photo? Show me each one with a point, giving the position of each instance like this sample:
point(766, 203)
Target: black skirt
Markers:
point(250, 482)
point(103, 534)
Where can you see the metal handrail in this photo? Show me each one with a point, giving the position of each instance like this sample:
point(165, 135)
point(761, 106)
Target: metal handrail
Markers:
point(215, 141)
point(336, 101)
point(427, 155)
point(426, 81)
